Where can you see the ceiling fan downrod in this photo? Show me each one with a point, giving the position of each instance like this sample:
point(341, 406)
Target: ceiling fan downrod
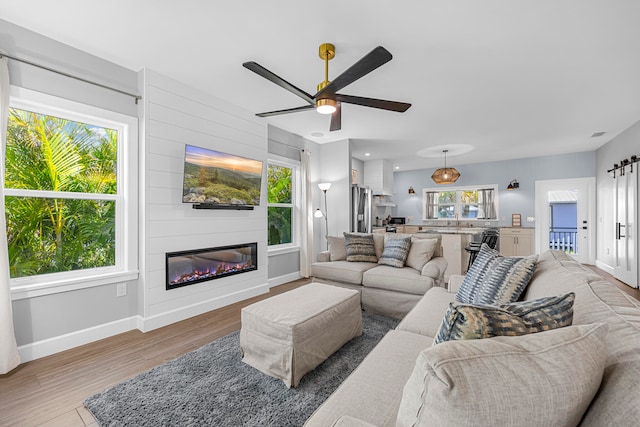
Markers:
point(327, 52)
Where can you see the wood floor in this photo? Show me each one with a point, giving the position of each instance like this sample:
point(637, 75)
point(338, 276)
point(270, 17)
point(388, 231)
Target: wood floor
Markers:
point(50, 391)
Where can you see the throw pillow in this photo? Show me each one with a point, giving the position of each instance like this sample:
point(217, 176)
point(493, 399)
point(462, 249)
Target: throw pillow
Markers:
point(467, 322)
point(545, 379)
point(360, 247)
point(496, 279)
point(395, 252)
point(337, 248)
point(421, 252)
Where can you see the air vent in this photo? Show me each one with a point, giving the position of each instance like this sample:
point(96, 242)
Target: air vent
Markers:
point(597, 134)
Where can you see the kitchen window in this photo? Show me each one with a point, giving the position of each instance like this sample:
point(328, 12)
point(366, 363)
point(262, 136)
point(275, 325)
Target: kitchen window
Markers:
point(468, 203)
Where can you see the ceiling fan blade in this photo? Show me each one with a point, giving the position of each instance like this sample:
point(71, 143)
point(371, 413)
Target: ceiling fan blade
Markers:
point(336, 119)
point(374, 59)
point(400, 107)
point(261, 71)
point(287, 111)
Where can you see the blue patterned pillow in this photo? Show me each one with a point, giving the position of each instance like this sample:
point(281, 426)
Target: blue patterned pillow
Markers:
point(496, 279)
point(466, 322)
point(360, 247)
point(395, 252)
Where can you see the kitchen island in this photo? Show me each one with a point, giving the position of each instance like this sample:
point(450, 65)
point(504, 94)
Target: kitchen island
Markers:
point(454, 240)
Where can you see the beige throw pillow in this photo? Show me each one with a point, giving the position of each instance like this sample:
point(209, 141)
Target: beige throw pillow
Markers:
point(337, 248)
point(543, 379)
point(421, 252)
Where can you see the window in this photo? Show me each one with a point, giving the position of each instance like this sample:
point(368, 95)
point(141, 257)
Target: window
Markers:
point(65, 189)
point(281, 179)
point(460, 203)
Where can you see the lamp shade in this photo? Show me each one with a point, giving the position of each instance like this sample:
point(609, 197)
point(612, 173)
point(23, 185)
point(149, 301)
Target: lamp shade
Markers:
point(324, 186)
point(318, 213)
point(445, 176)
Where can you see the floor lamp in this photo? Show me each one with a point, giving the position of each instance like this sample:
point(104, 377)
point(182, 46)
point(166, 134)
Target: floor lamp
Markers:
point(324, 186)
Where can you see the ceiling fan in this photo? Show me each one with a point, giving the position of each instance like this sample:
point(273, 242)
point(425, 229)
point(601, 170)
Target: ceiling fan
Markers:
point(327, 100)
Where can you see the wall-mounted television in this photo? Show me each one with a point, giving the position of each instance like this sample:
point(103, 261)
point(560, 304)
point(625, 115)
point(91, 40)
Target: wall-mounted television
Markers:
point(216, 180)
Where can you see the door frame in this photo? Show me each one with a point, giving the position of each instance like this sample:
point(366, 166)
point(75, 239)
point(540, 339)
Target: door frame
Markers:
point(543, 219)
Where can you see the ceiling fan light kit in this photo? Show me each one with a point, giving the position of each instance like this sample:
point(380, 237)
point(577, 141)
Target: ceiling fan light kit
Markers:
point(327, 100)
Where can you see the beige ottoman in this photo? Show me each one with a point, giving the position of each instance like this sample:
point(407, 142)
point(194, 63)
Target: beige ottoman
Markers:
point(288, 335)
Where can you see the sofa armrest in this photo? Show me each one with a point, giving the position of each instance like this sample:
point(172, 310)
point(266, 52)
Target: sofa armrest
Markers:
point(324, 256)
point(347, 421)
point(455, 282)
point(435, 268)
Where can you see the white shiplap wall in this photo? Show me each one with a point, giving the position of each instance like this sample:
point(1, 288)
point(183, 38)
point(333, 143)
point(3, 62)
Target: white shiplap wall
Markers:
point(175, 115)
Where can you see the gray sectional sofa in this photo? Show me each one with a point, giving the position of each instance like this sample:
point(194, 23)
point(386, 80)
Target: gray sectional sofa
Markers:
point(586, 374)
point(386, 290)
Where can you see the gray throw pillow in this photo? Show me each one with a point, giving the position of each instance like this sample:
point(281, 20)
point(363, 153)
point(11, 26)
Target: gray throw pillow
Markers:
point(466, 322)
point(496, 279)
point(360, 247)
point(421, 252)
point(337, 248)
point(395, 252)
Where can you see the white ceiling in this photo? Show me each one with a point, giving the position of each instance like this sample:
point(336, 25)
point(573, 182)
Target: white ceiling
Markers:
point(506, 78)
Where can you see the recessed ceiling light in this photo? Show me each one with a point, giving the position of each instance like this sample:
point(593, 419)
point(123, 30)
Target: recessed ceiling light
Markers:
point(317, 134)
point(597, 134)
point(367, 154)
point(397, 167)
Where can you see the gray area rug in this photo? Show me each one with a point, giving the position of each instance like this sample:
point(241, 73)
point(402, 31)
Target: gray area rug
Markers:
point(211, 386)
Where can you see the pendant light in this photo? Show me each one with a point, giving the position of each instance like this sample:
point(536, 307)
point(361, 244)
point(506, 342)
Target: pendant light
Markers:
point(445, 175)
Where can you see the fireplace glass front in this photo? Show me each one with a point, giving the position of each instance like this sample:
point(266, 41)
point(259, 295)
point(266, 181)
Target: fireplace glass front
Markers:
point(189, 267)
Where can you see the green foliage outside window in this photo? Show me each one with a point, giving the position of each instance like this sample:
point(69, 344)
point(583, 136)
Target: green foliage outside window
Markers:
point(53, 234)
point(280, 210)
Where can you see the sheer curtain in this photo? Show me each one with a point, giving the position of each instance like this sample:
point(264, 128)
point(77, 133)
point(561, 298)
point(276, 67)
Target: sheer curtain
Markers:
point(306, 220)
point(432, 205)
point(487, 204)
point(9, 357)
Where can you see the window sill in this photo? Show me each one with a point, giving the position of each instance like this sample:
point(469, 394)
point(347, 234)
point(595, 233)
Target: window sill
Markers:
point(31, 290)
point(281, 251)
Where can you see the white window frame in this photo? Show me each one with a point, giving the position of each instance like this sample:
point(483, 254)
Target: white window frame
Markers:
point(458, 204)
point(296, 196)
point(126, 226)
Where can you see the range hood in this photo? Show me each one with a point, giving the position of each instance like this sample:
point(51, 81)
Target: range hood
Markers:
point(378, 176)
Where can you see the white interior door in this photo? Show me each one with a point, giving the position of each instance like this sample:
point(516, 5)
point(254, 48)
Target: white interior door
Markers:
point(583, 191)
point(626, 196)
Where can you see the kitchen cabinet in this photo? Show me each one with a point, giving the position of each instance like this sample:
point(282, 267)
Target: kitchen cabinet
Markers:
point(516, 241)
point(453, 251)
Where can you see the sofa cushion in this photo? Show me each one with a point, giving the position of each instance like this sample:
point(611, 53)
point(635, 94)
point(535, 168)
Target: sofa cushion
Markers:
point(466, 322)
point(616, 403)
point(337, 248)
point(373, 391)
point(421, 252)
point(425, 318)
point(545, 379)
point(495, 279)
point(395, 252)
point(341, 271)
point(404, 279)
point(360, 247)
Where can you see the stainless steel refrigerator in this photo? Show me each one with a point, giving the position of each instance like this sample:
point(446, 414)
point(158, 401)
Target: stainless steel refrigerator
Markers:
point(361, 210)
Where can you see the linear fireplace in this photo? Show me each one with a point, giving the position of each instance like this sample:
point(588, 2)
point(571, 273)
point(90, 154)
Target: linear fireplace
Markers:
point(190, 267)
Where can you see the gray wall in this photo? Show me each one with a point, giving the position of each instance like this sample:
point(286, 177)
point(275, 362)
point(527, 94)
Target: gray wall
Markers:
point(526, 171)
point(53, 315)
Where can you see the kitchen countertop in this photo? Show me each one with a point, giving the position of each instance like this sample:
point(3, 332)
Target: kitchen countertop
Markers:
point(453, 230)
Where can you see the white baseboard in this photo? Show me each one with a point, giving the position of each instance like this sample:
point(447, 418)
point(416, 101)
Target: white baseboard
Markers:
point(146, 324)
point(284, 279)
point(602, 266)
point(68, 341)
point(64, 342)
